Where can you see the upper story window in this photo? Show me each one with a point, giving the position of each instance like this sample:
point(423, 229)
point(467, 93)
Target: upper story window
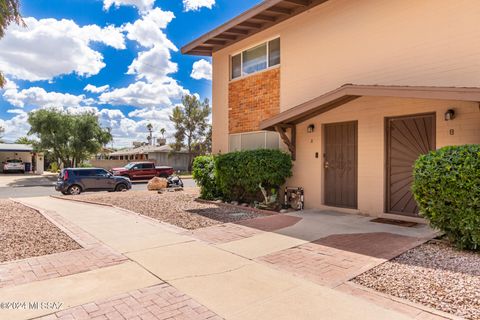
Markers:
point(256, 59)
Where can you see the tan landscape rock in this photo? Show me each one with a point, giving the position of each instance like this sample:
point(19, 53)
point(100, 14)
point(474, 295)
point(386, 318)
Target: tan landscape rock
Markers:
point(157, 184)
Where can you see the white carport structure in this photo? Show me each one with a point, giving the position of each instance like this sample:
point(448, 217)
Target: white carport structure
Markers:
point(23, 152)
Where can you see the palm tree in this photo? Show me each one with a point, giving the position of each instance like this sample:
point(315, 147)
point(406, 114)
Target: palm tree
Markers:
point(24, 140)
point(9, 12)
point(162, 132)
point(150, 136)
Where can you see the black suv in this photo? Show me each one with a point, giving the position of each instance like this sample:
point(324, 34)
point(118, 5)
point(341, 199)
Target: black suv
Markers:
point(76, 181)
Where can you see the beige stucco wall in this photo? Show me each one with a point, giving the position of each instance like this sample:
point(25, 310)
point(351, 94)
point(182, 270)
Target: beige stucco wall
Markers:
point(370, 112)
point(394, 42)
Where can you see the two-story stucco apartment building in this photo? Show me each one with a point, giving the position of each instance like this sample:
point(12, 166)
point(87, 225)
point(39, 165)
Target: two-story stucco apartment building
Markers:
point(356, 90)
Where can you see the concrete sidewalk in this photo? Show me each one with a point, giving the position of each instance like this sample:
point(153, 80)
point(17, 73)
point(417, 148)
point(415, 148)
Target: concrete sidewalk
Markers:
point(231, 285)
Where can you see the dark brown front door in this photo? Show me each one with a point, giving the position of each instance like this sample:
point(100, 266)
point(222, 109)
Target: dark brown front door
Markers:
point(406, 139)
point(341, 164)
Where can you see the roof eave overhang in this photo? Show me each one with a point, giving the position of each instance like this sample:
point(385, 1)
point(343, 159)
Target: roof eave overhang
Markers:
point(350, 92)
point(259, 18)
point(16, 150)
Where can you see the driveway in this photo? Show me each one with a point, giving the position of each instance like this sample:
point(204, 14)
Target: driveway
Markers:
point(29, 185)
point(293, 266)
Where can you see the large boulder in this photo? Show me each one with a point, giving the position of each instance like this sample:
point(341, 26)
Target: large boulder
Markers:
point(157, 184)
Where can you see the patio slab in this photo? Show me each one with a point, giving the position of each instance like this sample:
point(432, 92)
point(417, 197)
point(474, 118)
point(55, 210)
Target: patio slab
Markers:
point(75, 289)
point(316, 224)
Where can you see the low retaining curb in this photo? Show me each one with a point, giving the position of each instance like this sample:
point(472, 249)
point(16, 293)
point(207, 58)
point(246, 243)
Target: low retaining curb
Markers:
point(173, 228)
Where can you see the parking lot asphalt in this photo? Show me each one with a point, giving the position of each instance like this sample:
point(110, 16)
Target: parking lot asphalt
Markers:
point(19, 186)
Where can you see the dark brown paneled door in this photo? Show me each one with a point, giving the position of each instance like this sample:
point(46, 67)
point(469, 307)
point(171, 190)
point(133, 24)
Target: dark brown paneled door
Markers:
point(406, 139)
point(341, 150)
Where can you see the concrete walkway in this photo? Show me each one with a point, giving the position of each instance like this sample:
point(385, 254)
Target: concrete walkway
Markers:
point(224, 279)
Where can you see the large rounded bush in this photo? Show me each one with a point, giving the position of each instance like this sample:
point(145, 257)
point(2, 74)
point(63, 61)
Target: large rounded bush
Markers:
point(447, 189)
point(204, 174)
point(239, 174)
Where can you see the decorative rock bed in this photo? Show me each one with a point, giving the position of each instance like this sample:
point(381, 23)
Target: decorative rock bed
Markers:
point(25, 233)
point(178, 208)
point(434, 274)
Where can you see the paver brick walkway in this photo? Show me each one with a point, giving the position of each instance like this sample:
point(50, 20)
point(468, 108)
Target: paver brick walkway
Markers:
point(154, 303)
point(338, 258)
point(222, 283)
point(223, 233)
point(271, 223)
point(57, 265)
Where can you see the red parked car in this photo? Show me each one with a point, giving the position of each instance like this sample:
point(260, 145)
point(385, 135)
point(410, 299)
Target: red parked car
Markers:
point(143, 171)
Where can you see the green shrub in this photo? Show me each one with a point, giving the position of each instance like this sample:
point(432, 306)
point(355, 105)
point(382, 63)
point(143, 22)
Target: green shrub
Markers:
point(85, 165)
point(240, 174)
point(447, 189)
point(54, 167)
point(204, 174)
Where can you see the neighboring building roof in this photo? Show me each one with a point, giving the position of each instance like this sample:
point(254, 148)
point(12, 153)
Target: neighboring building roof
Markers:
point(261, 17)
point(349, 92)
point(142, 150)
point(15, 147)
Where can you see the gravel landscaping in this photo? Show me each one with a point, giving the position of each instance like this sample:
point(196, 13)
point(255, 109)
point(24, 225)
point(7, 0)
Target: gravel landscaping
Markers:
point(434, 274)
point(177, 208)
point(25, 233)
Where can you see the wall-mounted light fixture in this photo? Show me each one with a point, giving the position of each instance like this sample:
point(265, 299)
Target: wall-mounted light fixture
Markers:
point(449, 115)
point(311, 128)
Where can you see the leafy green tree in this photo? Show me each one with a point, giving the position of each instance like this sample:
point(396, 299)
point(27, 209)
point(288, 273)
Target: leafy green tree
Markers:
point(70, 138)
point(9, 12)
point(207, 143)
point(87, 137)
point(191, 124)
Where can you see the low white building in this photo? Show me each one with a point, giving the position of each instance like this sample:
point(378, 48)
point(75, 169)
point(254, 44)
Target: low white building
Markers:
point(34, 162)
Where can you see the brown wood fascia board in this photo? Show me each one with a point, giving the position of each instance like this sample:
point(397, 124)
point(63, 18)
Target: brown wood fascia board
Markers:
point(349, 93)
point(416, 92)
point(258, 10)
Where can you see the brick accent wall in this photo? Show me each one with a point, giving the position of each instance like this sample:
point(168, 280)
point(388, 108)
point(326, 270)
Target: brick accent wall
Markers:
point(252, 100)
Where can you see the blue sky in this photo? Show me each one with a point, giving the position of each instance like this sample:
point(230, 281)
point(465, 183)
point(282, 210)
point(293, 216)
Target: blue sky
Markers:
point(118, 58)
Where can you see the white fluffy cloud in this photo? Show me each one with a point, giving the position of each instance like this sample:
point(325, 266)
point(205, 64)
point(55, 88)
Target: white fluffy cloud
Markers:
point(154, 87)
point(141, 5)
point(153, 65)
point(39, 97)
point(48, 48)
point(16, 126)
point(63, 47)
point(202, 69)
point(194, 5)
point(146, 95)
point(148, 31)
point(94, 89)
